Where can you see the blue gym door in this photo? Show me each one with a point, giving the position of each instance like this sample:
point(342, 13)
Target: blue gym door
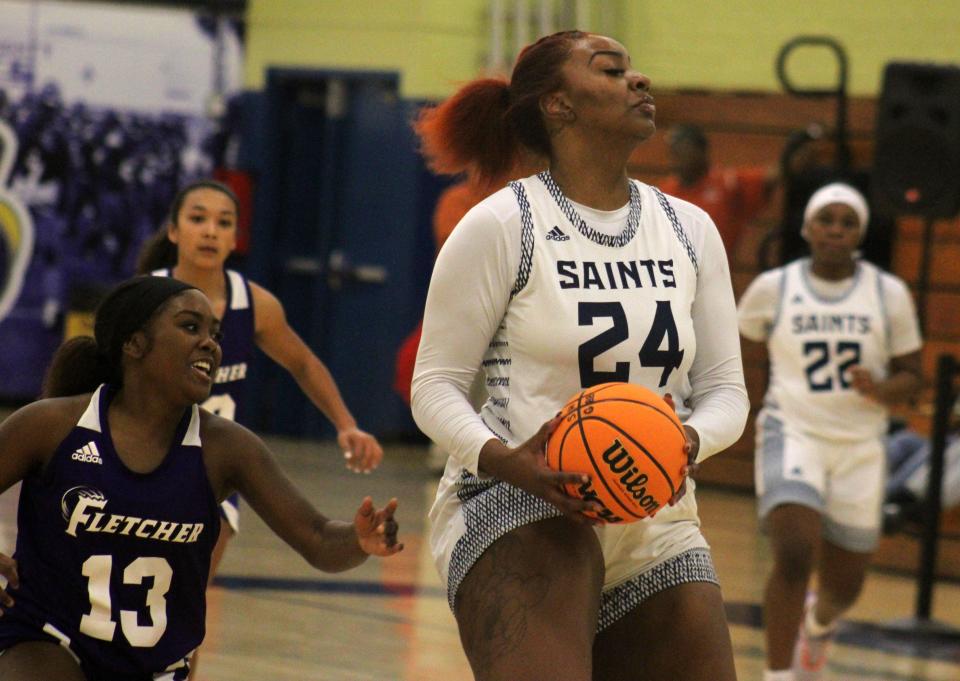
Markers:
point(338, 236)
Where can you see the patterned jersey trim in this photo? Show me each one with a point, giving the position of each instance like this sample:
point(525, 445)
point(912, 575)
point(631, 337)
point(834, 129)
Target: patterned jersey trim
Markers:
point(526, 239)
point(622, 239)
point(695, 565)
point(677, 228)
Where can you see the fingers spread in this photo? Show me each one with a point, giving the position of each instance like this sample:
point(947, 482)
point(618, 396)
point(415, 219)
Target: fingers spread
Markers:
point(366, 510)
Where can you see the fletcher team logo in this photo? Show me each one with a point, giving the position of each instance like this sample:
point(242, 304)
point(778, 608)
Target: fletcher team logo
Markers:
point(85, 510)
point(16, 228)
point(71, 499)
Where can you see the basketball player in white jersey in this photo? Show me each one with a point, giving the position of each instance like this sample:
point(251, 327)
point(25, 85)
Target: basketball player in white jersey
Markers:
point(565, 279)
point(844, 343)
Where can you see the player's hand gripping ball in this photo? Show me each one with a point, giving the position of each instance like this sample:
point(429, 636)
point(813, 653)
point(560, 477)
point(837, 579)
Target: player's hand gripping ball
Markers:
point(631, 443)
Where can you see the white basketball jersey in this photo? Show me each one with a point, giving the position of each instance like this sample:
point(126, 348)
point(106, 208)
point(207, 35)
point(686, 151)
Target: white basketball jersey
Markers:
point(813, 343)
point(589, 308)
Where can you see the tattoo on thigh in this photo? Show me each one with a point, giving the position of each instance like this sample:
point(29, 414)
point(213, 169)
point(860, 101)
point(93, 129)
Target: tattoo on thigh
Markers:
point(501, 593)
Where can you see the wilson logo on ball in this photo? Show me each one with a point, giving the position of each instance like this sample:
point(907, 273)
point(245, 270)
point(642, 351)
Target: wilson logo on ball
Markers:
point(620, 463)
point(631, 443)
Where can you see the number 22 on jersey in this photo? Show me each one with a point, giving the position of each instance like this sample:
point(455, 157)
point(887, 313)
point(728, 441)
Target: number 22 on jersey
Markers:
point(830, 361)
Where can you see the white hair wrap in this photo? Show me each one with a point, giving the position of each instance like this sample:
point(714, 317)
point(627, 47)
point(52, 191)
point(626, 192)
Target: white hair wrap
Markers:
point(838, 192)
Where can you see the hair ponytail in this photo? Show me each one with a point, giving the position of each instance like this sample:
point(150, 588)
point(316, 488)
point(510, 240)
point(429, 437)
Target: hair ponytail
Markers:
point(82, 363)
point(489, 128)
point(76, 368)
point(157, 252)
point(469, 132)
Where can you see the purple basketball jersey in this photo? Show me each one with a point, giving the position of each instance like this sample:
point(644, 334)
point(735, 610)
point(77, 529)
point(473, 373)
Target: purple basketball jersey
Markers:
point(112, 562)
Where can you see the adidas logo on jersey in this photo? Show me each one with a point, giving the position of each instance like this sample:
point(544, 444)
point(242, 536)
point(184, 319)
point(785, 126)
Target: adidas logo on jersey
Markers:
point(797, 299)
point(88, 454)
point(556, 235)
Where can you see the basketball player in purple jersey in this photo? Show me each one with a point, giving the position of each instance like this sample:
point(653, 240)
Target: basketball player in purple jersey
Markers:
point(118, 510)
point(200, 234)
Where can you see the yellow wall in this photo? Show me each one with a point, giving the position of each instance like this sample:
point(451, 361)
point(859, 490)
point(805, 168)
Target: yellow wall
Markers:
point(433, 44)
point(733, 44)
point(715, 44)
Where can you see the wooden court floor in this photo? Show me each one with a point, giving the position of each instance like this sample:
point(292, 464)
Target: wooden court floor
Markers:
point(273, 618)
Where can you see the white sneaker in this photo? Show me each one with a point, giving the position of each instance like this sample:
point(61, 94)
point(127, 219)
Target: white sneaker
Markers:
point(810, 652)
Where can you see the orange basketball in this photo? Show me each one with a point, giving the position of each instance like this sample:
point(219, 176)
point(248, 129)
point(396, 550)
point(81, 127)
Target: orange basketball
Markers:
point(630, 442)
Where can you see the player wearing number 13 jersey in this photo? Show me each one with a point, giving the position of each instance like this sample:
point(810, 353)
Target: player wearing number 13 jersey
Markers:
point(121, 473)
point(127, 572)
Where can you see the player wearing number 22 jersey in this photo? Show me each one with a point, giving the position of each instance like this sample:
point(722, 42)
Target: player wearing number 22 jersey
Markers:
point(814, 423)
point(123, 555)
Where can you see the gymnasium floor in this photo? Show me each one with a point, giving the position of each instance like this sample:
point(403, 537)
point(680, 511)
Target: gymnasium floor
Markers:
point(273, 618)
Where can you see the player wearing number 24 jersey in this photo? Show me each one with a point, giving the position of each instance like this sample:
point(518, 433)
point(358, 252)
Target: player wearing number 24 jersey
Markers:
point(572, 277)
point(575, 308)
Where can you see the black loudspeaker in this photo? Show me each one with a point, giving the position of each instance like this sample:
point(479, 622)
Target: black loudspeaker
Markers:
point(917, 158)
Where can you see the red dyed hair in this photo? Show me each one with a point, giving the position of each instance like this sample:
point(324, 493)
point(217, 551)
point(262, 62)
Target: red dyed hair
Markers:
point(489, 126)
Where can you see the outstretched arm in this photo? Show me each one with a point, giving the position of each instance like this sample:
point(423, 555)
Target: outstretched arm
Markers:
point(236, 459)
point(282, 344)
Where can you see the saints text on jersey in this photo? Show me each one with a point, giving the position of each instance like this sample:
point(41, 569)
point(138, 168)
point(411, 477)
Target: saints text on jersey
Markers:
point(830, 323)
point(620, 274)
